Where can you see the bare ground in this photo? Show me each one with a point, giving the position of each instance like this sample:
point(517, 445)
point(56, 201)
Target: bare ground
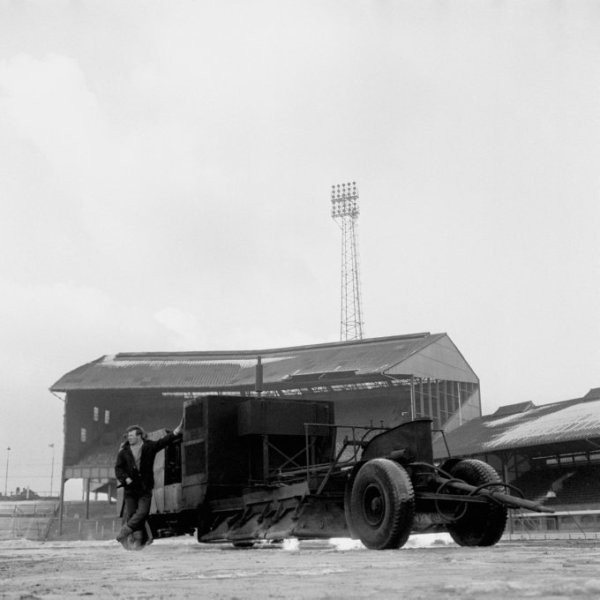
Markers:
point(182, 568)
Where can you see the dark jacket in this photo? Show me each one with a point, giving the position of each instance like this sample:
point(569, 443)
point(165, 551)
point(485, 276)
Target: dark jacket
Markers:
point(142, 480)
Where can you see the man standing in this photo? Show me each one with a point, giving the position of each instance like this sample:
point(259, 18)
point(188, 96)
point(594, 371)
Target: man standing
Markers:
point(135, 472)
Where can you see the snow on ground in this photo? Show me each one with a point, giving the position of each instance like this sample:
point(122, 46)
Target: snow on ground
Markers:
point(428, 567)
point(415, 541)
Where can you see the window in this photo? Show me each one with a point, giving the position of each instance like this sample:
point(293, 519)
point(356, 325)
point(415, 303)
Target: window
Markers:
point(96, 413)
point(83, 434)
point(106, 417)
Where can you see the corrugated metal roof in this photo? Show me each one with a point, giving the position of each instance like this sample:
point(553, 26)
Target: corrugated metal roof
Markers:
point(566, 421)
point(236, 369)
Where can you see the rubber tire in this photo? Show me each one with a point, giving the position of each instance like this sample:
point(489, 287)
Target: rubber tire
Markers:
point(382, 505)
point(481, 524)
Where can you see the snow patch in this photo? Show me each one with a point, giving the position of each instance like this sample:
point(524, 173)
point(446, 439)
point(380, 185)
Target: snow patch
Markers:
point(291, 544)
point(242, 363)
point(420, 540)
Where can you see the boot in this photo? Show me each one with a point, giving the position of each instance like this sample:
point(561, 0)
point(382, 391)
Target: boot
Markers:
point(123, 535)
point(138, 539)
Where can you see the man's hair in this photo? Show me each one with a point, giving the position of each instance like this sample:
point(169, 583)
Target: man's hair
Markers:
point(139, 430)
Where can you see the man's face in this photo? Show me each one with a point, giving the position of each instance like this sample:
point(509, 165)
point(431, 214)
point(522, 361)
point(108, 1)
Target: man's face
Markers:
point(133, 437)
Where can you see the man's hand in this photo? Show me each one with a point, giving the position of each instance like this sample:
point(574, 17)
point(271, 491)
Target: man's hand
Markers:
point(179, 428)
point(128, 481)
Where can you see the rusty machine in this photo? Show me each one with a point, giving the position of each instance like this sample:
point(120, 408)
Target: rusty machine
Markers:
point(253, 469)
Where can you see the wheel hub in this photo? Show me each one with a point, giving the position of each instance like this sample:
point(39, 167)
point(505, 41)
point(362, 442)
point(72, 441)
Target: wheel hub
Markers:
point(373, 505)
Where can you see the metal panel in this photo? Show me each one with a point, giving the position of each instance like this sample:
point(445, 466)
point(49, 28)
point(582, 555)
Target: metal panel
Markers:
point(439, 360)
point(195, 459)
point(414, 437)
point(211, 453)
point(268, 416)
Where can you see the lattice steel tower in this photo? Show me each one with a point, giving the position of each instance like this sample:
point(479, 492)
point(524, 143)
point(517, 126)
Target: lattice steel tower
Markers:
point(344, 210)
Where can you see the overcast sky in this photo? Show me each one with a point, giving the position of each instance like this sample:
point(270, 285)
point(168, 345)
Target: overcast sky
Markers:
point(165, 170)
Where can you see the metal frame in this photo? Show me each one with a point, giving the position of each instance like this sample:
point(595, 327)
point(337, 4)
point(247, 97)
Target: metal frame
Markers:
point(344, 211)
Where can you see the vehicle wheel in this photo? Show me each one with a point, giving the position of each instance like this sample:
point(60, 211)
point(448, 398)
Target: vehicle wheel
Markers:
point(480, 524)
point(382, 505)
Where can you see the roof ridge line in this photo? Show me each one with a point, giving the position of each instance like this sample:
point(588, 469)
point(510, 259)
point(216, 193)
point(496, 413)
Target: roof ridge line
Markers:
point(425, 335)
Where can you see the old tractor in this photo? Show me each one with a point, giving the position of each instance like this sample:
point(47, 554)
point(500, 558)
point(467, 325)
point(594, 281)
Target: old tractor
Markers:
point(256, 469)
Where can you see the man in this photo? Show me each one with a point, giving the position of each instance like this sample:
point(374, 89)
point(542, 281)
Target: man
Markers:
point(135, 472)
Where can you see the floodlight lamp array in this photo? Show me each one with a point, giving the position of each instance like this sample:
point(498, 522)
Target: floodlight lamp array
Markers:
point(344, 200)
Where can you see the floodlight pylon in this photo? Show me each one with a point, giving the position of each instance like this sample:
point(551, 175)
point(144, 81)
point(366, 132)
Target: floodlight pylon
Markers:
point(345, 211)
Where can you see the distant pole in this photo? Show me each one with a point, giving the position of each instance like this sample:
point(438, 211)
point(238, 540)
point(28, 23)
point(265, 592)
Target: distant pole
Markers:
point(6, 476)
point(61, 502)
point(412, 398)
point(344, 211)
point(87, 497)
point(51, 469)
point(258, 385)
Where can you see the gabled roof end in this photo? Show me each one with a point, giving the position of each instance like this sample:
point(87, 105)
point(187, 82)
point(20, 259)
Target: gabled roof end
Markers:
point(513, 409)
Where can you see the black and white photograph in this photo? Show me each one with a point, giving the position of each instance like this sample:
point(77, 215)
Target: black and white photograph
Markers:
point(300, 299)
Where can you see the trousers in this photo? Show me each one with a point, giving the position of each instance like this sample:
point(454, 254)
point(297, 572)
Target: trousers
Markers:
point(138, 508)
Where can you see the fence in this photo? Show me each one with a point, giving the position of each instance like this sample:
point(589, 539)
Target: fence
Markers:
point(85, 529)
point(573, 523)
point(38, 520)
point(27, 519)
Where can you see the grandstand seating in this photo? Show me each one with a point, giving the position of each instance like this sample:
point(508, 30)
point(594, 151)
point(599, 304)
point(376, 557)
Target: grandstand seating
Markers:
point(582, 488)
point(566, 486)
point(535, 484)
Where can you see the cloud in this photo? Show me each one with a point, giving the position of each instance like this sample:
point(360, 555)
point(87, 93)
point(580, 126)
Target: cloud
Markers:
point(184, 327)
point(48, 103)
point(55, 327)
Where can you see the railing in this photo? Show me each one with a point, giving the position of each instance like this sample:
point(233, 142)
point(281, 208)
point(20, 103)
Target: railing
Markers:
point(581, 523)
point(38, 520)
point(355, 443)
point(26, 519)
point(86, 529)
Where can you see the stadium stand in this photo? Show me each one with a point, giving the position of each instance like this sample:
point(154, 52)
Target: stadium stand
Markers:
point(578, 488)
point(550, 452)
point(376, 381)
